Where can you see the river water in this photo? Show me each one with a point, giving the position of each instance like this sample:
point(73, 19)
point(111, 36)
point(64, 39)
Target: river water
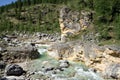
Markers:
point(76, 71)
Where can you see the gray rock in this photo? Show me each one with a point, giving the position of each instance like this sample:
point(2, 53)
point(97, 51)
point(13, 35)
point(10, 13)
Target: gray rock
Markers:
point(58, 69)
point(23, 52)
point(112, 71)
point(64, 64)
point(7, 39)
point(64, 12)
point(13, 78)
point(2, 65)
point(60, 50)
point(2, 50)
point(14, 70)
point(49, 69)
point(3, 78)
point(113, 47)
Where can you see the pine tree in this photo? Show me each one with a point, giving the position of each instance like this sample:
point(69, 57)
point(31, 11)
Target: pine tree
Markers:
point(29, 2)
point(117, 27)
point(19, 3)
point(1, 9)
point(25, 2)
point(103, 9)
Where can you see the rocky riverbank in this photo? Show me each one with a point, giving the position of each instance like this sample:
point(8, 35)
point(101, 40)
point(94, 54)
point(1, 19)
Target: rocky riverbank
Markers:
point(48, 68)
point(35, 58)
point(41, 56)
point(25, 57)
point(103, 59)
point(20, 47)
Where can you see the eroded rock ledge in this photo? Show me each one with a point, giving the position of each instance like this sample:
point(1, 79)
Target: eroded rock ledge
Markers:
point(105, 59)
point(72, 22)
point(101, 58)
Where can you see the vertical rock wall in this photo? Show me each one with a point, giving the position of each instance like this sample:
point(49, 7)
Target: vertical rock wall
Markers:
point(72, 22)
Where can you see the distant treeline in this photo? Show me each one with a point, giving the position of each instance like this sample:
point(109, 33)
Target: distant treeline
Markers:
point(20, 3)
point(106, 14)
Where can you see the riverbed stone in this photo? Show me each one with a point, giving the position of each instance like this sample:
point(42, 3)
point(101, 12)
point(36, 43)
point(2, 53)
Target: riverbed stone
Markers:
point(64, 64)
point(14, 70)
point(112, 71)
point(2, 65)
point(13, 78)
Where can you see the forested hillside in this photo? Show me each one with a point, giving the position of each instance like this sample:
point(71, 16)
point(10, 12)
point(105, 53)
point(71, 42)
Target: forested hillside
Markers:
point(60, 40)
point(42, 16)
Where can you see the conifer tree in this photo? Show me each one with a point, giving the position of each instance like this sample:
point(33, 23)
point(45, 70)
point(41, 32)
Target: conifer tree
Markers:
point(29, 2)
point(19, 3)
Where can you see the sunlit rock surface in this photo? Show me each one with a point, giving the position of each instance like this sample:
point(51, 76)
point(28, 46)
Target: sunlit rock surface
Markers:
point(94, 56)
point(72, 22)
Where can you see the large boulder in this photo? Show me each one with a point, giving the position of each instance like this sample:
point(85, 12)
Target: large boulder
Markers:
point(21, 53)
point(60, 50)
point(72, 50)
point(14, 70)
point(13, 78)
point(64, 64)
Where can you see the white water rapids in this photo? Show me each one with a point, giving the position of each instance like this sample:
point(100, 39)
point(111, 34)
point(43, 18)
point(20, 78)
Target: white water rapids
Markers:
point(80, 73)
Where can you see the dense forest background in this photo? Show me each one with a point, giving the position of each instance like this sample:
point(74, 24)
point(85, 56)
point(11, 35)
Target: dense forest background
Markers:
point(42, 16)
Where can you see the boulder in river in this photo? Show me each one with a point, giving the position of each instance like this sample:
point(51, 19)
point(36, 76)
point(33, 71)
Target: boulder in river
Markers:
point(20, 53)
point(14, 70)
point(64, 64)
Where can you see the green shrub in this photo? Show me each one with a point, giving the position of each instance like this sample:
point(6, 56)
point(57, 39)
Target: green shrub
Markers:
point(117, 27)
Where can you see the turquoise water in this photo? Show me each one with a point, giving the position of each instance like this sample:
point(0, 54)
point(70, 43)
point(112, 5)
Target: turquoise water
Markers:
point(76, 71)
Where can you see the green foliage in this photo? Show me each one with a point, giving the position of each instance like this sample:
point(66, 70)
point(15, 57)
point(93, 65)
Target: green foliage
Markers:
point(103, 9)
point(5, 25)
point(80, 4)
point(104, 33)
point(1, 10)
point(117, 27)
point(105, 13)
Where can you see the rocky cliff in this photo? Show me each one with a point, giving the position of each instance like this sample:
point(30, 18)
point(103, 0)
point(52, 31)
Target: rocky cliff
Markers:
point(100, 58)
point(72, 22)
point(103, 59)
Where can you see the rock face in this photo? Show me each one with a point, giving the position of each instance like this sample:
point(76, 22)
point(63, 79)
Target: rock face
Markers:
point(14, 70)
point(60, 50)
point(28, 51)
point(94, 56)
point(71, 22)
point(17, 47)
point(20, 53)
point(113, 71)
point(13, 78)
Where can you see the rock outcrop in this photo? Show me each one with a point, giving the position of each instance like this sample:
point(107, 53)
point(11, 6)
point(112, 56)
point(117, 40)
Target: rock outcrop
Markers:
point(60, 50)
point(26, 51)
point(97, 57)
point(72, 22)
point(18, 47)
point(20, 53)
point(94, 56)
point(112, 71)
